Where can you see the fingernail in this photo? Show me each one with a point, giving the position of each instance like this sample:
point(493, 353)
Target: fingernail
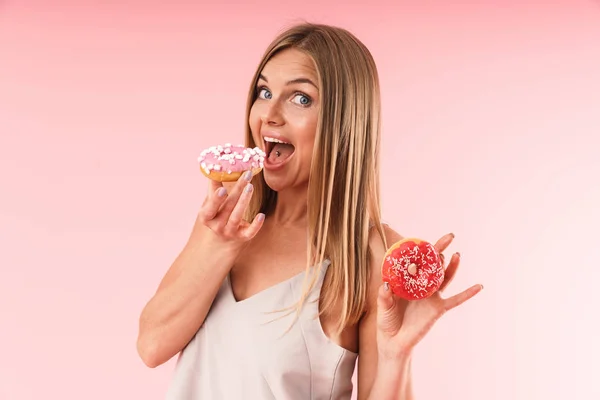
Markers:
point(386, 286)
point(481, 287)
point(452, 234)
point(248, 188)
point(458, 254)
point(260, 217)
point(221, 192)
point(248, 175)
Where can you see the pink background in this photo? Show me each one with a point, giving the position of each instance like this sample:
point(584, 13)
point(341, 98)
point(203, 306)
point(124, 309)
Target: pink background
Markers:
point(491, 123)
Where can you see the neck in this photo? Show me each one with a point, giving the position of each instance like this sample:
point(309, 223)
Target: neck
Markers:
point(291, 207)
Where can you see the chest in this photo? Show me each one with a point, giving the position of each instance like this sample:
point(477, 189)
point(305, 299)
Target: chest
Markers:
point(271, 260)
point(273, 256)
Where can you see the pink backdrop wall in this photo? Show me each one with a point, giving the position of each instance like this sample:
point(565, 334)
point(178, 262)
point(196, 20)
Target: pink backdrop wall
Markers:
point(491, 118)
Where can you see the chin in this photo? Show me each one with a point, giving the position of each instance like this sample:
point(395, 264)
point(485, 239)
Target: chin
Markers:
point(279, 182)
point(274, 183)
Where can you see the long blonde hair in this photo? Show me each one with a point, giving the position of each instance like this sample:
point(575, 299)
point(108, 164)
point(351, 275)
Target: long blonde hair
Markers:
point(345, 167)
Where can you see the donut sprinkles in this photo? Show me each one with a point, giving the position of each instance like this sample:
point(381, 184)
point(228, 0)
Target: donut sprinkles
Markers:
point(413, 269)
point(227, 162)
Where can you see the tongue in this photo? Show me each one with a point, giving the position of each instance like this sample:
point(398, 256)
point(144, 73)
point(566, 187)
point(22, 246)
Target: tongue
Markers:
point(280, 153)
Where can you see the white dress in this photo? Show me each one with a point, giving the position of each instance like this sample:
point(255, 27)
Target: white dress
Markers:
point(242, 351)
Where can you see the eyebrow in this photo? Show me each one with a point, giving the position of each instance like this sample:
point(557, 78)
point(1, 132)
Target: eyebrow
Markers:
point(293, 81)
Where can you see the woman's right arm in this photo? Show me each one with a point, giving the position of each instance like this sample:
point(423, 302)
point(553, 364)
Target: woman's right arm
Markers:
point(178, 308)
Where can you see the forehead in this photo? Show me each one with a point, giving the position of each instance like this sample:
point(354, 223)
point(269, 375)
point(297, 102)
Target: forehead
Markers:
point(289, 63)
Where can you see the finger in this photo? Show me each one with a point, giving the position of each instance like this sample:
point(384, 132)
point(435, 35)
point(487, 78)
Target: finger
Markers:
point(450, 270)
point(237, 214)
point(212, 204)
point(461, 297)
point(235, 194)
point(251, 230)
point(444, 242)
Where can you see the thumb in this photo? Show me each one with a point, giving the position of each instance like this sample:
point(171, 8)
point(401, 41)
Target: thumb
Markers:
point(385, 300)
point(213, 185)
point(389, 315)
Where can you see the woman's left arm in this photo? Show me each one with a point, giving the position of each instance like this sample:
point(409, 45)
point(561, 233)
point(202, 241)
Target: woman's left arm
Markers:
point(380, 377)
point(391, 327)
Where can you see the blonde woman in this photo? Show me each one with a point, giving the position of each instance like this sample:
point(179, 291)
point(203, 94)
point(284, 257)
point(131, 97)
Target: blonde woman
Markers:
point(278, 291)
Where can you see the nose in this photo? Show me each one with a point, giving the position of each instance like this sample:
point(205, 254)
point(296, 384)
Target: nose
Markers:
point(271, 114)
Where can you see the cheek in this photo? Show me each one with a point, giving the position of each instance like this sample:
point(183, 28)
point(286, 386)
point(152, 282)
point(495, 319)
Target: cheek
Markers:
point(310, 130)
point(308, 140)
point(254, 121)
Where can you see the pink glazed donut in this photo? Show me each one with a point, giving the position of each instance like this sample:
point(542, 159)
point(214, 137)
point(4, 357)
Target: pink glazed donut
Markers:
point(227, 163)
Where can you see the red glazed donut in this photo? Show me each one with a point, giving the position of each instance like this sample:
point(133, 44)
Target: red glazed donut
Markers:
point(413, 269)
point(226, 163)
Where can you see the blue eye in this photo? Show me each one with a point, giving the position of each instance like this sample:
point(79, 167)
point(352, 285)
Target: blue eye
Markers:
point(304, 100)
point(263, 93)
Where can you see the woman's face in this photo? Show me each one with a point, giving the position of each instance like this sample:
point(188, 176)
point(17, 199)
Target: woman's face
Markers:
point(284, 116)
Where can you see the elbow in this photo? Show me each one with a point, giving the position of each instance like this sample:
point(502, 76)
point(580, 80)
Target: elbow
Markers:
point(149, 352)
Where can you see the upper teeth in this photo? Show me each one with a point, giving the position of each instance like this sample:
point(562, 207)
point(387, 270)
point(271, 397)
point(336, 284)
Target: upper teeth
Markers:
point(273, 140)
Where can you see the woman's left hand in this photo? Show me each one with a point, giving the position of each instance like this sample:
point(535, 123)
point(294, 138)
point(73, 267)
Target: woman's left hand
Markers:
point(401, 324)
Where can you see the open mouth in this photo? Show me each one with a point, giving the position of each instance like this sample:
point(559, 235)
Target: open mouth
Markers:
point(277, 150)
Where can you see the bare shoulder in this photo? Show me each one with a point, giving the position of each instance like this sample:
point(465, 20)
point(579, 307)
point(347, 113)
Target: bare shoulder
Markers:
point(391, 236)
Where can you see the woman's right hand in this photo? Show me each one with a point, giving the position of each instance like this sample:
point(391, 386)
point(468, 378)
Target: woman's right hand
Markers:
point(223, 213)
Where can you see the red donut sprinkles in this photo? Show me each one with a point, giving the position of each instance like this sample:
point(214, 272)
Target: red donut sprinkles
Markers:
point(413, 269)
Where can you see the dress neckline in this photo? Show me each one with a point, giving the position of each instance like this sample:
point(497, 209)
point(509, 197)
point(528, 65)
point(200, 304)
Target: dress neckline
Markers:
point(273, 287)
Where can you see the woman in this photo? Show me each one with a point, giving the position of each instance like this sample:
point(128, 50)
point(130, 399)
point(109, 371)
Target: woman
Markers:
point(278, 290)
